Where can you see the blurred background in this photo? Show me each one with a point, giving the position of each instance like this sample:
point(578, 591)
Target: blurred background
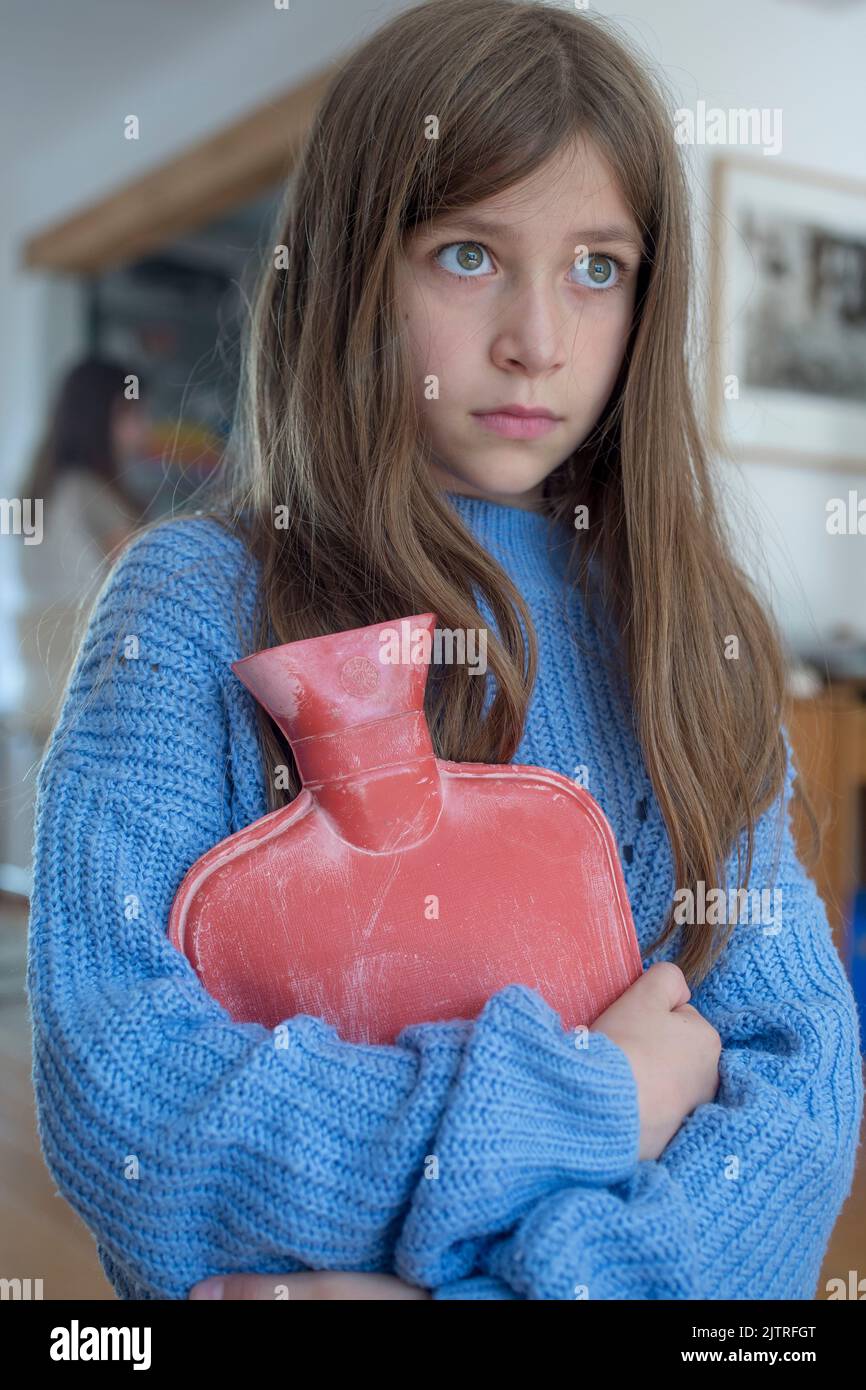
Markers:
point(145, 152)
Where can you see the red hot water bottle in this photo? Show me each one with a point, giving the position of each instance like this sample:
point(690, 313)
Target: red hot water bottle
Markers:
point(398, 887)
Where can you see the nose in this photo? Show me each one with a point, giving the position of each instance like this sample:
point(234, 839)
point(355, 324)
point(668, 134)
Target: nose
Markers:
point(530, 330)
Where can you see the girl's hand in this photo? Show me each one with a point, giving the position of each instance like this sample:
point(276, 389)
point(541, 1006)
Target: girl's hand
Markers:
point(326, 1283)
point(674, 1054)
point(673, 1050)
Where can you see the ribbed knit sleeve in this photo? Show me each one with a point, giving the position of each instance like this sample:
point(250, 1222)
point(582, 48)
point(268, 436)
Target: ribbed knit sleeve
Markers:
point(191, 1144)
point(742, 1201)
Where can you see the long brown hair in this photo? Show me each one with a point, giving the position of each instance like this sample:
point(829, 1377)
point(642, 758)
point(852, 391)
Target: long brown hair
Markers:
point(328, 439)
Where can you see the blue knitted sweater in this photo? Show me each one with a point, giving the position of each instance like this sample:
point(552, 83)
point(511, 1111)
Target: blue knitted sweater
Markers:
point(191, 1145)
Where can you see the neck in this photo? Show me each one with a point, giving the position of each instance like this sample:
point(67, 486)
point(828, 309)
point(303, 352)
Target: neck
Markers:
point(531, 501)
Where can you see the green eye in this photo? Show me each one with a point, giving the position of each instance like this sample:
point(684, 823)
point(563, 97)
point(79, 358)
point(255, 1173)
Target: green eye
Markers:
point(469, 256)
point(602, 272)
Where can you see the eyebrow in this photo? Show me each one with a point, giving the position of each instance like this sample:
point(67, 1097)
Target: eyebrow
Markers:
point(588, 236)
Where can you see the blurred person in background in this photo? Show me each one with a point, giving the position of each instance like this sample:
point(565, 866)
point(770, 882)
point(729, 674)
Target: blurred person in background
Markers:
point(92, 437)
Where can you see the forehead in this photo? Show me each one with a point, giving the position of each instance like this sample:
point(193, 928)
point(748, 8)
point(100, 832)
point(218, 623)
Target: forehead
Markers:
point(572, 193)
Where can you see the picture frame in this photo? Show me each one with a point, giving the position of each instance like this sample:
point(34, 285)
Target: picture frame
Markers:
point(788, 314)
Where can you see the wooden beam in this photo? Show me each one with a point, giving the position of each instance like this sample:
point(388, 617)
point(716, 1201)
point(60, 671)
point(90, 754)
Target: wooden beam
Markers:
point(224, 171)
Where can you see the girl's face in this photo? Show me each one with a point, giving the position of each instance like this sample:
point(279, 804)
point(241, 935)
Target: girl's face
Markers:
point(130, 429)
point(533, 308)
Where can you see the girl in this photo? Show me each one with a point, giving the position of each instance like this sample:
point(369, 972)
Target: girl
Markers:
point(92, 436)
point(489, 219)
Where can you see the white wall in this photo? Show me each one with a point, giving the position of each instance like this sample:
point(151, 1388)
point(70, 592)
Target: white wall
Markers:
point(188, 69)
point(805, 57)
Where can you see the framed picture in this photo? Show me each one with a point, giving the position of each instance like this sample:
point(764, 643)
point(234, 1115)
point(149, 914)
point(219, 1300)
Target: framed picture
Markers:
point(788, 314)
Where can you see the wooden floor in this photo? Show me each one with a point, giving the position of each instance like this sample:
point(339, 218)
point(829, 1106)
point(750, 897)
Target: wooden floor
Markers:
point(40, 1235)
point(42, 1238)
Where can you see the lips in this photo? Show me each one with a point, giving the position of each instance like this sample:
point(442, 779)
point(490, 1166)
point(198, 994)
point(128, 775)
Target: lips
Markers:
point(525, 412)
point(517, 422)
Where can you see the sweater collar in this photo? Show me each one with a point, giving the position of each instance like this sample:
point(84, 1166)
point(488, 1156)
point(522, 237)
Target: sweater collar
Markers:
point(530, 546)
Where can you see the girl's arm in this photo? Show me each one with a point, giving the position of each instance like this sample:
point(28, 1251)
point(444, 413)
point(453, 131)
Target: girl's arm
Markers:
point(193, 1145)
point(742, 1202)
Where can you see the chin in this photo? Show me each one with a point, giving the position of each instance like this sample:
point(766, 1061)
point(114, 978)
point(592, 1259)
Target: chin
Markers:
point(507, 481)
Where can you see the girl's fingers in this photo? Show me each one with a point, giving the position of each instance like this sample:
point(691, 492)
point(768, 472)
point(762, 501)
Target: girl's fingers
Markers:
point(322, 1284)
point(367, 1286)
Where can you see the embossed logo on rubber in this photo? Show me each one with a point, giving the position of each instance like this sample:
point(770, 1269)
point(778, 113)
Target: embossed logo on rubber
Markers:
point(359, 676)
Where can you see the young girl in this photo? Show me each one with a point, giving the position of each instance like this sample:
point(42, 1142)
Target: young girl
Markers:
point(489, 219)
point(91, 437)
